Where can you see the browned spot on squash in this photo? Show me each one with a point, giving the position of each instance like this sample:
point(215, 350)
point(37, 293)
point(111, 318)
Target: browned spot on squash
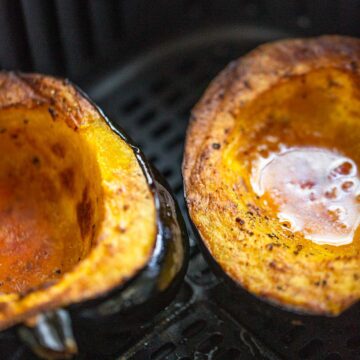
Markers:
point(52, 113)
point(58, 149)
point(48, 188)
point(15, 134)
point(84, 212)
point(35, 160)
point(4, 306)
point(67, 178)
point(93, 234)
point(240, 221)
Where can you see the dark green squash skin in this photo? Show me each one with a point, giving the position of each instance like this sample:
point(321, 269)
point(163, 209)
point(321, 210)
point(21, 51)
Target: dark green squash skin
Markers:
point(125, 310)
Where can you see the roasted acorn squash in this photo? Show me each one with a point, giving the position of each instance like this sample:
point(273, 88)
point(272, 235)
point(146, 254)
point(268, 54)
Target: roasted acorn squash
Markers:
point(307, 93)
point(86, 224)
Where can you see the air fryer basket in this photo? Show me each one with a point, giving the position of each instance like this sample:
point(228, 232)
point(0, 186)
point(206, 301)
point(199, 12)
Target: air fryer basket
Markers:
point(169, 52)
point(151, 97)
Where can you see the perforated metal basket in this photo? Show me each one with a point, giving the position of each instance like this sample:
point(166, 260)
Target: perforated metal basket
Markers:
point(151, 97)
point(165, 53)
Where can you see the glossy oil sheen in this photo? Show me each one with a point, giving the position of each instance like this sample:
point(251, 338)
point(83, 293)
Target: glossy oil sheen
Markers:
point(314, 190)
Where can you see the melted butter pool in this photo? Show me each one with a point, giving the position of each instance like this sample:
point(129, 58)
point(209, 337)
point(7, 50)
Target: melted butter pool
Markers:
point(312, 190)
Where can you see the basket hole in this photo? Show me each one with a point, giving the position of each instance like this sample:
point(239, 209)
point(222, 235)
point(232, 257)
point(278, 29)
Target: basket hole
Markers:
point(233, 354)
point(194, 250)
point(313, 348)
point(175, 142)
point(354, 342)
point(295, 332)
point(194, 329)
point(185, 113)
point(333, 356)
point(254, 313)
point(173, 98)
point(205, 271)
point(153, 159)
point(210, 343)
point(146, 117)
point(353, 328)
point(161, 130)
point(163, 351)
point(202, 272)
point(267, 323)
point(184, 295)
point(219, 354)
point(131, 105)
point(167, 172)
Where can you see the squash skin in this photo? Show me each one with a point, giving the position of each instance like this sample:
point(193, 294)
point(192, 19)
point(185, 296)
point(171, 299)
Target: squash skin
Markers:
point(77, 326)
point(214, 118)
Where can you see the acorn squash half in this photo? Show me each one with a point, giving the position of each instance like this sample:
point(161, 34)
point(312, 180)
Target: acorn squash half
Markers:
point(85, 223)
point(302, 92)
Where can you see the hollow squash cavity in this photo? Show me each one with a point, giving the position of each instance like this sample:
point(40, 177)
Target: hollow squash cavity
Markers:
point(49, 199)
point(316, 112)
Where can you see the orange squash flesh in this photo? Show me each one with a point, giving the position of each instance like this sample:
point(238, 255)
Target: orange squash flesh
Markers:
point(304, 113)
point(46, 210)
point(72, 196)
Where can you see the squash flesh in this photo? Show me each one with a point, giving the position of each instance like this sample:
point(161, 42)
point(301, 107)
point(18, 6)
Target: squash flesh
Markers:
point(116, 234)
point(49, 208)
point(303, 112)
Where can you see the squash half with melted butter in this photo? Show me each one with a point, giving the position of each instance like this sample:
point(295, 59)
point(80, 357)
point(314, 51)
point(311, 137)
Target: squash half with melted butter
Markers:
point(270, 173)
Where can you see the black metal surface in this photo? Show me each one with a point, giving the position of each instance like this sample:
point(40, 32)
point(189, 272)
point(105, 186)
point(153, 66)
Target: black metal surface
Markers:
point(72, 37)
point(151, 98)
